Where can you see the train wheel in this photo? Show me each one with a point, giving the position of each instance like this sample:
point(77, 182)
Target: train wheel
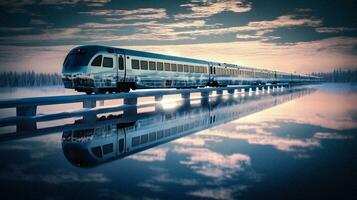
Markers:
point(88, 92)
point(126, 89)
point(102, 91)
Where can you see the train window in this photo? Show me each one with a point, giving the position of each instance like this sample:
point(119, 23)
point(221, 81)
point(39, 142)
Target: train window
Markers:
point(97, 151)
point(160, 66)
point(134, 64)
point(197, 69)
point(152, 65)
point(108, 148)
point(180, 68)
point(144, 139)
point(97, 61)
point(192, 68)
point(160, 134)
point(121, 62)
point(185, 68)
point(205, 70)
point(121, 145)
point(107, 62)
point(135, 141)
point(173, 130)
point(144, 64)
point(152, 136)
point(201, 69)
point(167, 133)
point(167, 66)
point(173, 67)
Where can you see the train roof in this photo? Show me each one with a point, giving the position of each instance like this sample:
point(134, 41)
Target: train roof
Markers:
point(176, 58)
point(144, 54)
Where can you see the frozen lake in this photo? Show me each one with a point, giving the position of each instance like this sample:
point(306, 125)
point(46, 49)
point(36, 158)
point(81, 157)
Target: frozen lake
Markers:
point(283, 145)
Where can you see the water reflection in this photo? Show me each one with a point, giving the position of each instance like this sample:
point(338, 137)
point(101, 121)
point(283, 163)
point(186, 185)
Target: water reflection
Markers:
point(282, 152)
point(116, 136)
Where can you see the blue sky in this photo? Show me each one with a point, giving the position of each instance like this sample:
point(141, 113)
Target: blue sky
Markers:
point(302, 36)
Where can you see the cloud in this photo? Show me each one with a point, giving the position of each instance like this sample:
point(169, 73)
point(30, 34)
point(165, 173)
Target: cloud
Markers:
point(333, 29)
point(37, 22)
point(48, 34)
point(154, 30)
point(217, 193)
point(319, 55)
point(15, 29)
point(94, 25)
point(283, 21)
point(137, 14)
point(20, 3)
point(335, 136)
point(207, 8)
point(304, 57)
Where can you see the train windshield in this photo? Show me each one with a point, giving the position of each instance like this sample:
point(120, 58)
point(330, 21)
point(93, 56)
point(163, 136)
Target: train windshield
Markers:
point(77, 57)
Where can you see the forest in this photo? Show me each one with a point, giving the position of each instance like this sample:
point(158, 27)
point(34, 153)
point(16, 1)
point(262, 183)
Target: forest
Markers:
point(338, 75)
point(29, 79)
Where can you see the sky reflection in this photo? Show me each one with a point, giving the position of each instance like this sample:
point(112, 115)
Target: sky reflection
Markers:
point(229, 148)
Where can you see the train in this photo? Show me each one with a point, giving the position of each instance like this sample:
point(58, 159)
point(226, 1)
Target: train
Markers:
point(102, 69)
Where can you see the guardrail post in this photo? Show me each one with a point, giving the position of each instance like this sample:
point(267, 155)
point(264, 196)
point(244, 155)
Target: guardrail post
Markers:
point(204, 94)
point(26, 126)
point(131, 101)
point(185, 96)
point(205, 99)
point(89, 103)
point(27, 111)
point(158, 98)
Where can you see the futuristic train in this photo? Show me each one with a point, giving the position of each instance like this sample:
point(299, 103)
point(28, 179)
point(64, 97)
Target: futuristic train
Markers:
point(114, 137)
point(102, 69)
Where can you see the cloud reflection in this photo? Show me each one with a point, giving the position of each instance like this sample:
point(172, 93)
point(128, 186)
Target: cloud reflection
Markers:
point(212, 164)
point(150, 155)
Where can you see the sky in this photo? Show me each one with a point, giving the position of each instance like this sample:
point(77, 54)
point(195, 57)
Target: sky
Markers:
point(292, 36)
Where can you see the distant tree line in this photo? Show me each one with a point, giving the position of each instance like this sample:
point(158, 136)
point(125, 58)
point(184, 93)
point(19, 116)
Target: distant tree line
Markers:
point(338, 75)
point(28, 79)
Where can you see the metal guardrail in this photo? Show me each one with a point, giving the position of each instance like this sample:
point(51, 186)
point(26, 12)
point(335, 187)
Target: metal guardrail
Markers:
point(26, 108)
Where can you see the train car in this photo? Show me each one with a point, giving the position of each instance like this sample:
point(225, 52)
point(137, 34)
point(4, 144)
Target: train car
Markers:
point(102, 69)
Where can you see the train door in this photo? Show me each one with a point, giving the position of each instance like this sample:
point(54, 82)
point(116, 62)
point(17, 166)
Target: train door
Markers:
point(121, 141)
point(107, 71)
point(212, 71)
point(121, 72)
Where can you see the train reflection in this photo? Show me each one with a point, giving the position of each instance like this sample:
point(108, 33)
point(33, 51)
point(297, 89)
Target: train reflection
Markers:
point(117, 136)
